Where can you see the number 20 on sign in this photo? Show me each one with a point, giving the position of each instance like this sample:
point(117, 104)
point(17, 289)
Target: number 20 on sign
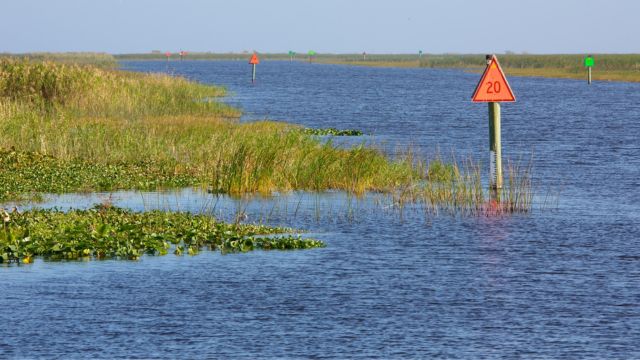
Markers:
point(493, 89)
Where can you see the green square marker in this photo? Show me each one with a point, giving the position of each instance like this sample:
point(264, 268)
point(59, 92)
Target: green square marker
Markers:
point(589, 62)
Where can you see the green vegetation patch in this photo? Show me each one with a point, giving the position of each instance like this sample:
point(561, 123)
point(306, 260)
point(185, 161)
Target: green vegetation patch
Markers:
point(106, 232)
point(119, 130)
point(332, 132)
point(24, 175)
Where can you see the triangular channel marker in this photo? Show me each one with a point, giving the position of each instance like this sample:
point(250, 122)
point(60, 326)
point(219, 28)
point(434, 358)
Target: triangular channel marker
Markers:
point(493, 86)
point(254, 60)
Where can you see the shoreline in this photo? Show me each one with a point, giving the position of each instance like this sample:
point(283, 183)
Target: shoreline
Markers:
point(544, 72)
point(550, 73)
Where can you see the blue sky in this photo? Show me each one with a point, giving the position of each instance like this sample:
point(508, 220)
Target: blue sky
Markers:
point(338, 26)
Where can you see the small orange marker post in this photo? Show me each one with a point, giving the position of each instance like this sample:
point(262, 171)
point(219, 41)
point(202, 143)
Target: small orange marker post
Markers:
point(493, 88)
point(254, 61)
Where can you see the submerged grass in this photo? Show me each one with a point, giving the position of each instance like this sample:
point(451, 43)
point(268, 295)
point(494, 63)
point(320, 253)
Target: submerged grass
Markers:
point(106, 232)
point(459, 190)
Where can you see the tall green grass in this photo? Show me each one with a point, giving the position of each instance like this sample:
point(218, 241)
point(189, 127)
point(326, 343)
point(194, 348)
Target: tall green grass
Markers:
point(92, 115)
point(101, 60)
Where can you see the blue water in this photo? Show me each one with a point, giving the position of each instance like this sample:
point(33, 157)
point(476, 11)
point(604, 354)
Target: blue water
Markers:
point(557, 283)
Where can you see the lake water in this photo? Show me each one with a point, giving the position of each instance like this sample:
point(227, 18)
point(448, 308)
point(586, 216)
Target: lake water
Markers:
point(560, 283)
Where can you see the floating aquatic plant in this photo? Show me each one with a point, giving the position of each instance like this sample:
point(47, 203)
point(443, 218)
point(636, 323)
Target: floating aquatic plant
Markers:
point(107, 232)
point(332, 132)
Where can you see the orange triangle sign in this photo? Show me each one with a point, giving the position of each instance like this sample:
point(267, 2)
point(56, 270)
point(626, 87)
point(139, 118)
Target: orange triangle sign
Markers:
point(254, 60)
point(493, 87)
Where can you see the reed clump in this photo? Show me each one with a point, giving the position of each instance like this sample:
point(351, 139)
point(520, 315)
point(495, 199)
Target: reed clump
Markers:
point(459, 190)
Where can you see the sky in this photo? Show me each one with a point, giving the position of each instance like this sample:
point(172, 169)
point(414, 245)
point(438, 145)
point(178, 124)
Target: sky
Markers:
point(325, 26)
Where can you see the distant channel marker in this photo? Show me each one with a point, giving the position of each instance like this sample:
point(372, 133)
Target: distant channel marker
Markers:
point(493, 88)
point(589, 63)
point(254, 61)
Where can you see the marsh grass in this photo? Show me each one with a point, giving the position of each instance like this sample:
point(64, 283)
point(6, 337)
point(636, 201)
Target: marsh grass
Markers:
point(88, 116)
point(457, 189)
point(67, 128)
point(95, 59)
point(609, 67)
